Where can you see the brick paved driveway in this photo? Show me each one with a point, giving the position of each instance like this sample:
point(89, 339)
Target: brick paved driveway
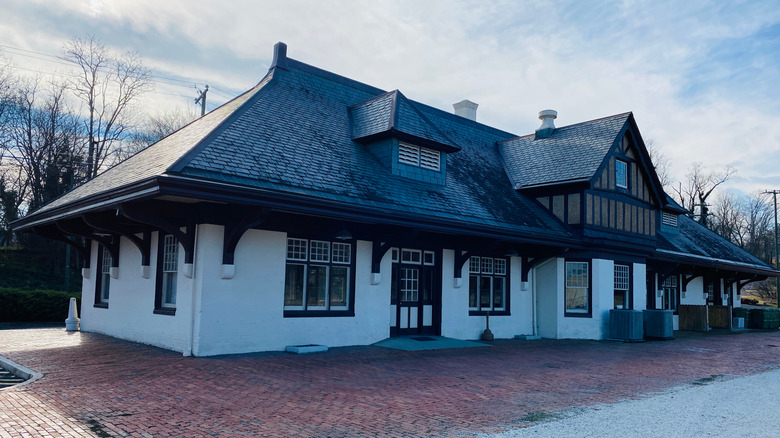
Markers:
point(99, 386)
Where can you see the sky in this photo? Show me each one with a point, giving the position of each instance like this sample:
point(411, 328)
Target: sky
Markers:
point(701, 77)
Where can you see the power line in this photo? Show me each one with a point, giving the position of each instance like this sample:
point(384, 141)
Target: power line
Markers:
point(157, 77)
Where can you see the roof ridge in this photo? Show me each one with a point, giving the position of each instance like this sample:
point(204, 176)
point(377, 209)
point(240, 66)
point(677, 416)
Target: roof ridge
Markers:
point(573, 125)
point(343, 80)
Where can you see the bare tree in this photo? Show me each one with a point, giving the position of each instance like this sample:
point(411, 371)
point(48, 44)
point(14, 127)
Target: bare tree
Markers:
point(698, 187)
point(661, 164)
point(43, 143)
point(155, 129)
point(108, 84)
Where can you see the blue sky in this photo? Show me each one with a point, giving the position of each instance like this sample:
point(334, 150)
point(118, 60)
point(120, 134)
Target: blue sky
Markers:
point(700, 76)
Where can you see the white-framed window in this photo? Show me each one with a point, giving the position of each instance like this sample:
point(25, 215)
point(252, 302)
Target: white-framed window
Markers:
point(419, 156)
point(622, 286)
point(317, 275)
point(577, 294)
point(429, 258)
point(669, 219)
point(488, 284)
point(621, 174)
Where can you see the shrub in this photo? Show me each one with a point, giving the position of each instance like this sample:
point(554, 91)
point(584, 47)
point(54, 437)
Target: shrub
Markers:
point(17, 305)
point(749, 301)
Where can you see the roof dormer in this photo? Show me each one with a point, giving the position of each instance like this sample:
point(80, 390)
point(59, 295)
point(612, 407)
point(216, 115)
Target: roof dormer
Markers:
point(402, 137)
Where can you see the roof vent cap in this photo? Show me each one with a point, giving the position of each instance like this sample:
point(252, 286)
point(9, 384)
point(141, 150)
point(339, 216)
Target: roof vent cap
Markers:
point(466, 108)
point(547, 128)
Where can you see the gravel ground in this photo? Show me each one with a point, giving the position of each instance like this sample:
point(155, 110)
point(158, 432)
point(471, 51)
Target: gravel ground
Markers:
point(720, 406)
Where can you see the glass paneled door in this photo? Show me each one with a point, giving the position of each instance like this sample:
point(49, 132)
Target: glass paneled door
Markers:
point(415, 293)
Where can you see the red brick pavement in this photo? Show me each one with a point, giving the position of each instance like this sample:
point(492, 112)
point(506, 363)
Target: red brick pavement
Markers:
point(99, 386)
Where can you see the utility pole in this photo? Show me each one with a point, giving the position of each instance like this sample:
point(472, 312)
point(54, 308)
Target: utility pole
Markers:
point(777, 255)
point(202, 99)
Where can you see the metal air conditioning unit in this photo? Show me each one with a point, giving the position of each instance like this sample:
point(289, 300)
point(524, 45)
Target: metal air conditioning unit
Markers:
point(658, 324)
point(625, 325)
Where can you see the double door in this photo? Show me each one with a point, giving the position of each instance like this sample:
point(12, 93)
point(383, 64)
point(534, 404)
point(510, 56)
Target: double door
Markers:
point(415, 293)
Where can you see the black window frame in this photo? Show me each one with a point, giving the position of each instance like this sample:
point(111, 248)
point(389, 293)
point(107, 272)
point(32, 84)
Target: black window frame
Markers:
point(159, 308)
point(675, 293)
point(319, 312)
point(589, 312)
point(99, 302)
point(478, 276)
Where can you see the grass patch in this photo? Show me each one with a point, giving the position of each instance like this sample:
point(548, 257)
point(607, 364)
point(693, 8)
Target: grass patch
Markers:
point(539, 417)
point(707, 380)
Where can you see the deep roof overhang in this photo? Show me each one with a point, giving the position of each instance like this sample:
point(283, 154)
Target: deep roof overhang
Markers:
point(713, 263)
point(207, 190)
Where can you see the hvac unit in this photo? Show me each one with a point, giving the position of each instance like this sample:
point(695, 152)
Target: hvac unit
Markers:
point(625, 325)
point(658, 324)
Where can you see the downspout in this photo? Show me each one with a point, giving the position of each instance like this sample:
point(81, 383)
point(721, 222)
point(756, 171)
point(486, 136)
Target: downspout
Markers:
point(195, 298)
point(535, 331)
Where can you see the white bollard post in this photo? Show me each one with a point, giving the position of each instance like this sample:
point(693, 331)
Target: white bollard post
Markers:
point(72, 323)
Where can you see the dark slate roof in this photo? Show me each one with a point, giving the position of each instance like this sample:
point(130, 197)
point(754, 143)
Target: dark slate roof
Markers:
point(695, 239)
point(155, 159)
point(390, 114)
point(296, 137)
point(571, 153)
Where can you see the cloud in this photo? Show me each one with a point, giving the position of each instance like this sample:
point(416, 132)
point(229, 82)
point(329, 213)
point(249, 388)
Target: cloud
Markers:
point(699, 76)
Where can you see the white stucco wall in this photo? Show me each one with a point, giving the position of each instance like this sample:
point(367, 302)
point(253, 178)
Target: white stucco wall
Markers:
point(131, 302)
point(549, 295)
point(456, 321)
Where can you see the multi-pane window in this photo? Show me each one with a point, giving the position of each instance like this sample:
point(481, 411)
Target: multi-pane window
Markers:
point(410, 281)
point(105, 275)
point(419, 156)
point(670, 289)
point(169, 271)
point(317, 275)
point(622, 286)
point(487, 284)
point(621, 174)
point(577, 287)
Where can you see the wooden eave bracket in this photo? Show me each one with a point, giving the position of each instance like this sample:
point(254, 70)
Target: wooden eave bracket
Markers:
point(111, 242)
point(235, 227)
point(186, 238)
point(143, 243)
point(378, 251)
point(55, 233)
point(687, 279)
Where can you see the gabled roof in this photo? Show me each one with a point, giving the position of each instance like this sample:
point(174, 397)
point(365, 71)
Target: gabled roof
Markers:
point(393, 115)
point(704, 246)
point(570, 154)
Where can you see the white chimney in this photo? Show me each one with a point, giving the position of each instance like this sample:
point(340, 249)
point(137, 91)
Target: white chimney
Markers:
point(466, 108)
point(547, 128)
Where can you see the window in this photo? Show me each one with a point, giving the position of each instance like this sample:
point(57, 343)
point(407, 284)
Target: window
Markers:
point(103, 280)
point(622, 287)
point(419, 156)
point(621, 174)
point(669, 219)
point(317, 277)
point(167, 274)
point(670, 293)
point(411, 282)
point(488, 285)
point(577, 293)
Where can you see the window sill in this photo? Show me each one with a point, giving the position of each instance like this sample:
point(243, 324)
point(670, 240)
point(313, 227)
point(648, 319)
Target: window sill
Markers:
point(165, 311)
point(101, 305)
point(577, 315)
point(492, 313)
point(318, 313)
